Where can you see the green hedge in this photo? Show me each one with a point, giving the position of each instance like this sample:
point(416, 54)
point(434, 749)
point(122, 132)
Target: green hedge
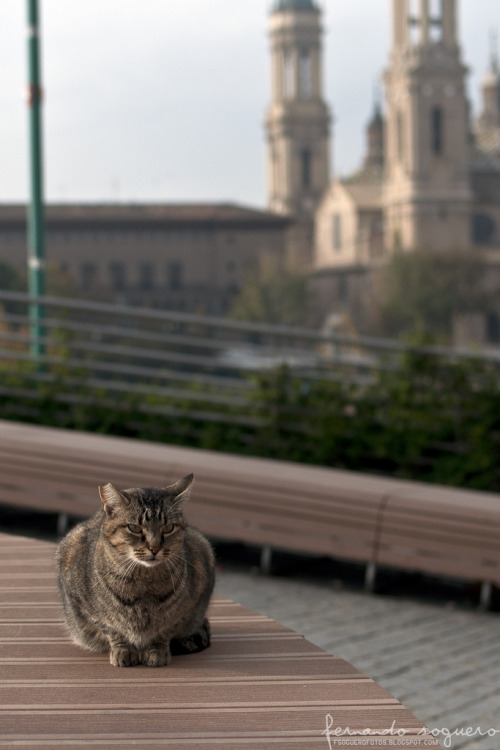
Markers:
point(426, 419)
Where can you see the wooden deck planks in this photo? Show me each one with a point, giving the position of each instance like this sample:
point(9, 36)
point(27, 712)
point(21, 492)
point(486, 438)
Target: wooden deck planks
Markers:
point(260, 685)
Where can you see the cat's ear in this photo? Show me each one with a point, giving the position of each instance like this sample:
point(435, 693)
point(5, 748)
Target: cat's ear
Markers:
point(182, 488)
point(111, 498)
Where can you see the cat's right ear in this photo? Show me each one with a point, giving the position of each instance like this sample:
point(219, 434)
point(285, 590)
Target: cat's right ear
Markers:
point(111, 498)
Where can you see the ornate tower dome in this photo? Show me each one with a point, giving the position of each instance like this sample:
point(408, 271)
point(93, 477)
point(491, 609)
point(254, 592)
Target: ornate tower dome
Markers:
point(295, 5)
point(298, 120)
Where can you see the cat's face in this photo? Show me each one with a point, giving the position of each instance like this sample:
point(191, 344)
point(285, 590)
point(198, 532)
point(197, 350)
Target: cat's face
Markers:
point(145, 525)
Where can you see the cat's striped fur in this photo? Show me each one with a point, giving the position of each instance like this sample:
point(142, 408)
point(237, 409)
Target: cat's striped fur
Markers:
point(136, 579)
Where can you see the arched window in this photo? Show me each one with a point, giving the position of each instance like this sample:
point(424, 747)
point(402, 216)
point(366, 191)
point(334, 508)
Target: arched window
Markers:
point(437, 144)
point(305, 74)
point(483, 229)
point(305, 164)
point(436, 20)
point(413, 22)
point(288, 75)
point(337, 232)
point(400, 136)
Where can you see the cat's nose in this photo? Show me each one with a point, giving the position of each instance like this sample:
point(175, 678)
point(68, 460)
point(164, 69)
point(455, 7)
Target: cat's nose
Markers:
point(154, 550)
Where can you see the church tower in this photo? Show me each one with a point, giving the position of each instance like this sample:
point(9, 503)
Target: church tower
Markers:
point(298, 120)
point(490, 115)
point(488, 124)
point(427, 193)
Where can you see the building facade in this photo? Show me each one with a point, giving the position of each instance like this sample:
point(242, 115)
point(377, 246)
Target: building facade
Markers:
point(179, 257)
point(431, 178)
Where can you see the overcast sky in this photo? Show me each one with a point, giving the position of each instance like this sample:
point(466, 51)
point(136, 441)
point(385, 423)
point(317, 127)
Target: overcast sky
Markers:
point(164, 100)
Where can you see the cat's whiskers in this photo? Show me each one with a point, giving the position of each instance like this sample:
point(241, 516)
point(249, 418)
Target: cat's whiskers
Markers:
point(170, 571)
point(124, 569)
point(175, 571)
point(177, 564)
point(188, 562)
point(180, 500)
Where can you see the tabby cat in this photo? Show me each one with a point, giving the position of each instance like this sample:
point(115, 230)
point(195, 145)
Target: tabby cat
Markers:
point(136, 579)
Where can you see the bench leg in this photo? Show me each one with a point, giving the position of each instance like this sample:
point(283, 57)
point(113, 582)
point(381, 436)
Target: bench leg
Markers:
point(485, 597)
point(62, 524)
point(370, 577)
point(266, 556)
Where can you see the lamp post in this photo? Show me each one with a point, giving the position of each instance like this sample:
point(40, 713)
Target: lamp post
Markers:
point(36, 244)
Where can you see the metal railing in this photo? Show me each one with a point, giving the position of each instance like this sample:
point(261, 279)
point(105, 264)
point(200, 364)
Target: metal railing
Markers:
point(172, 363)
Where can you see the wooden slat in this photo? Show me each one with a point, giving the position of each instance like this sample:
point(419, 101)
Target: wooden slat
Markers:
point(442, 531)
point(260, 685)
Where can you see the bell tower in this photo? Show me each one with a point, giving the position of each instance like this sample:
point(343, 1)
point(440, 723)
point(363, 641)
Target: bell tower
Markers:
point(490, 115)
point(298, 120)
point(427, 194)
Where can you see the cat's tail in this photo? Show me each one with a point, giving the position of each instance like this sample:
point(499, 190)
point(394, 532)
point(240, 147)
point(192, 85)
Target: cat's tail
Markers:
point(192, 644)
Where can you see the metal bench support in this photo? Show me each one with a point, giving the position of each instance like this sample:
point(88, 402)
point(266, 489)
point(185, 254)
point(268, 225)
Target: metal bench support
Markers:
point(485, 597)
point(370, 577)
point(266, 558)
point(62, 524)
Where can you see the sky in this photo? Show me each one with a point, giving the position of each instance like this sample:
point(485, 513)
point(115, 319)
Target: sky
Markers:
point(165, 100)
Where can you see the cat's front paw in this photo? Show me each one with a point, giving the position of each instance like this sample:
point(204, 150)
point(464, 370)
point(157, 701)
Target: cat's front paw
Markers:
point(124, 657)
point(157, 657)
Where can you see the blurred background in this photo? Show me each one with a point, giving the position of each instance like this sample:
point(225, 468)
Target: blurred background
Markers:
point(270, 228)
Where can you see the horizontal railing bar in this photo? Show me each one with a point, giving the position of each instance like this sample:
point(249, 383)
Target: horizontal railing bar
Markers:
point(133, 333)
point(146, 408)
point(124, 351)
point(371, 343)
point(143, 353)
point(212, 398)
point(147, 313)
point(374, 343)
point(224, 381)
point(136, 371)
point(149, 389)
point(218, 344)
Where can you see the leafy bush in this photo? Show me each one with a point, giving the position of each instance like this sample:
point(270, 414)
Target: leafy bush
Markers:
point(427, 419)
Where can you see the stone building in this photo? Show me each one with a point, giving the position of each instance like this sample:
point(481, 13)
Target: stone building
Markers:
point(180, 257)
point(431, 177)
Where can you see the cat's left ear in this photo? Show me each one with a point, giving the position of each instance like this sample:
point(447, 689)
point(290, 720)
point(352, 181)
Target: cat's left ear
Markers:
point(182, 488)
point(111, 498)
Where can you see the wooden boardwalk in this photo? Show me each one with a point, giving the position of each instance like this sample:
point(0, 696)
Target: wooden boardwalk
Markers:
point(260, 685)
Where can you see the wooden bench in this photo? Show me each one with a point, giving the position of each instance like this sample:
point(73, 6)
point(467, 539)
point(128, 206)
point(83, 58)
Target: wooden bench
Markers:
point(260, 685)
point(442, 531)
point(271, 504)
point(267, 503)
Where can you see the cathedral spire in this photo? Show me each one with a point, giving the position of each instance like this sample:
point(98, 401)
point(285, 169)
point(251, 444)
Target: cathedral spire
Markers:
point(494, 66)
point(375, 132)
point(426, 192)
point(298, 120)
point(422, 22)
point(488, 124)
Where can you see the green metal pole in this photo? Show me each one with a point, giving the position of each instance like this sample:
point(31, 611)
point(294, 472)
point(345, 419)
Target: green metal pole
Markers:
point(36, 243)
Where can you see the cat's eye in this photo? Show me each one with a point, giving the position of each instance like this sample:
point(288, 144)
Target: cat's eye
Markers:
point(134, 528)
point(168, 528)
